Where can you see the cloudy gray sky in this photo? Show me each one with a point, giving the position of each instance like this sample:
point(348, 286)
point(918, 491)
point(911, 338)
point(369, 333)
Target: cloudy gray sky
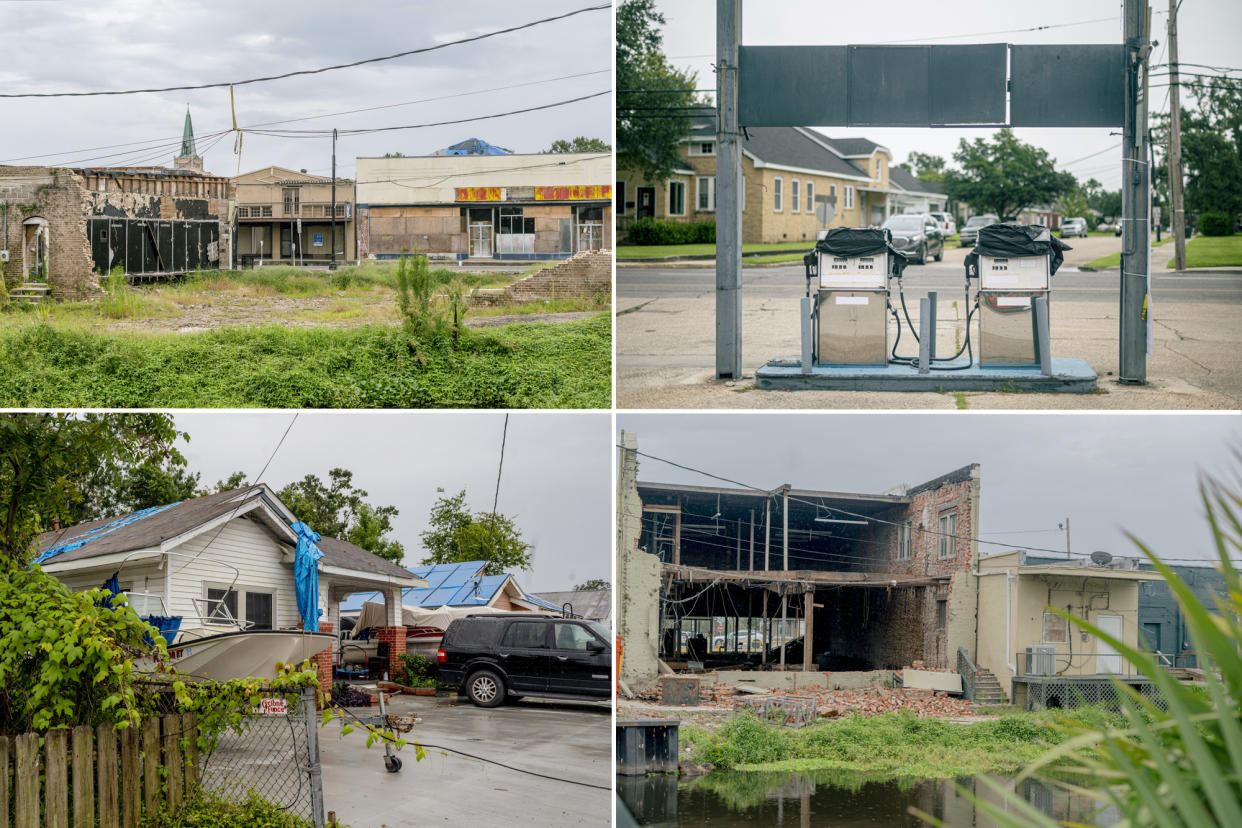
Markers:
point(79, 45)
point(1207, 34)
point(556, 483)
point(1108, 473)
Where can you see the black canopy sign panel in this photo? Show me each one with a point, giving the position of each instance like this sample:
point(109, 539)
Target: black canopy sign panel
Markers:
point(924, 86)
point(1068, 85)
point(792, 85)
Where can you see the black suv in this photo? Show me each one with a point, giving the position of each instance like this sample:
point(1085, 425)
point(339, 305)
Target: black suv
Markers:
point(491, 657)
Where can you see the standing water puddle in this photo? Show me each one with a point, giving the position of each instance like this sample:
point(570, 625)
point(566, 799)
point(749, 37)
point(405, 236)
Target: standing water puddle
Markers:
point(831, 798)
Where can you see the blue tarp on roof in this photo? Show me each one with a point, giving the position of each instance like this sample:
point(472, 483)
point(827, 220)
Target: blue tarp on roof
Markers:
point(448, 585)
point(475, 146)
point(100, 531)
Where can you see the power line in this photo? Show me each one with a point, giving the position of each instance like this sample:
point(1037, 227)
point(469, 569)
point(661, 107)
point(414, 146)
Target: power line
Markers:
point(1001, 31)
point(320, 70)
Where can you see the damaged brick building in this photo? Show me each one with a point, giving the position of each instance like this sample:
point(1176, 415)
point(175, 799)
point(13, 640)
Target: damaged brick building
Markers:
point(792, 578)
point(63, 228)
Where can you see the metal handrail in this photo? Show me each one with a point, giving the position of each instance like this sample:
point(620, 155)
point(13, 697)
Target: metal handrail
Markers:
point(969, 673)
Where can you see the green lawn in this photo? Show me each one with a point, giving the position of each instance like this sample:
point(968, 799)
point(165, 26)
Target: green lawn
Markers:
point(1114, 259)
point(562, 365)
point(1214, 251)
point(653, 251)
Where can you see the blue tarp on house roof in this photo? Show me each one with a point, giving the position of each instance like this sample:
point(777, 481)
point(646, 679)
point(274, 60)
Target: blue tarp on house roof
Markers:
point(475, 146)
point(454, 584)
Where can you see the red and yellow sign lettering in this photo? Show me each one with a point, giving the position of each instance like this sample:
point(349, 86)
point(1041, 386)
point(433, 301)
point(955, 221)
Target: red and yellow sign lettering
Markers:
point(580, 192)
point(478, 193)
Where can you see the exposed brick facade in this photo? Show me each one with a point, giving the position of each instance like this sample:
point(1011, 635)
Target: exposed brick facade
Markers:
point(323, 661)
point(395, 638)
point(585, 275)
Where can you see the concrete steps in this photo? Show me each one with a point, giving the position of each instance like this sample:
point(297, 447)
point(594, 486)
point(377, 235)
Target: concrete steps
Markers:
point(29, 293)
point(988, 689)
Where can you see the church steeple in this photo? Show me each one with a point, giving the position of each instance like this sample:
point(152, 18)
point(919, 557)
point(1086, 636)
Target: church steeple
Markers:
point(189, 158)
point(187, 136)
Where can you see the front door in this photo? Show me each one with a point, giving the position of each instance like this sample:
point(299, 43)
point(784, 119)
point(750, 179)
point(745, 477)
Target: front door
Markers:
point(579, 663)
point(286, 242)
point(481, 240)
point(1107, 659)
point(524, 654)
point(645, 206)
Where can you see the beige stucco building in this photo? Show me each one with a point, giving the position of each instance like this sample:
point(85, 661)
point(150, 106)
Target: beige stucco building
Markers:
point(285, 216)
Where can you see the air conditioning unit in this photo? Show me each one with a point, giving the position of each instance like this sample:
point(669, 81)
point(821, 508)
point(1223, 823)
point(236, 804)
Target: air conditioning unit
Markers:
point(1041, 661)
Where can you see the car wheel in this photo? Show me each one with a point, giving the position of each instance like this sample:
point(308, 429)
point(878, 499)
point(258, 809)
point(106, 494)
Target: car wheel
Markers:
point(940, 253)
point(923, 254)
point(486, 689)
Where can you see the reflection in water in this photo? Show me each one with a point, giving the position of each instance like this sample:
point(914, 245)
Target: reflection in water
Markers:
point(831, 798)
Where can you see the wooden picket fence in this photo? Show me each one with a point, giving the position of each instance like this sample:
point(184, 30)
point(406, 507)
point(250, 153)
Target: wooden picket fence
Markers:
point(98, 776)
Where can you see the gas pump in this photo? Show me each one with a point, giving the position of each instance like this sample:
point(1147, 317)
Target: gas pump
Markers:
point(1014, 265)
point(845, 310)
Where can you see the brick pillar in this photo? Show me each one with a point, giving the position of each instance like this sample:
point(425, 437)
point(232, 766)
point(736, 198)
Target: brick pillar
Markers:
point(323, 661)
point(395, 637)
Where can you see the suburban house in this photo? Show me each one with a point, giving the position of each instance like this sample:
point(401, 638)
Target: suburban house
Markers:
point(285, 216)
point(840, 581)
point(1042, 214)
point(65, 227)
point(917, 196)
point(591, 604)
point(786, 171)
point(1042, 659)
point(486, 206)
point(222, 559)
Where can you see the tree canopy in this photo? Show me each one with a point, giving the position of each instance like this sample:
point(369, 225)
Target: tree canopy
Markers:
point(924, 166)
point(580, 144)
point(457, 535)
point(593, 584)
point(338, 509)
point(1004, 176)
point(53, 464)
point(651, 94)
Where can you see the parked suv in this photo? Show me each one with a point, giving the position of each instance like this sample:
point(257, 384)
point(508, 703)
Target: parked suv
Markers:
point(970, 231)
point(1074, 227)
point(917, 236)
point(497, 656)
point(946, 223)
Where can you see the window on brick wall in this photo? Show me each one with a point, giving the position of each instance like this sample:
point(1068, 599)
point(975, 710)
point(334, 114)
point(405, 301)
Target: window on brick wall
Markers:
point(676, 198)
point(942, 614)
point(705, 187)
point(904, 546)
point(778, 194)
point(810, 196)
point(1056, 629)
point(795, 195)
point(849, 197)
point(948, 532)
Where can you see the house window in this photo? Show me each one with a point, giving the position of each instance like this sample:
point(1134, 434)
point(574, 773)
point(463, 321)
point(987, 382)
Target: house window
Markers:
point(512, 222)
point(942, 614)
point(702, 147)
point(903, 541)
point(705, 186)
point(221, 606)
point(259, 610)
point(620, 203)
point(810, 196)
point(795, 193)
point(1056, 629)
point(948, 535)
point(877, 169)
point(777, 194)
point(849, 196)
point(676, 198)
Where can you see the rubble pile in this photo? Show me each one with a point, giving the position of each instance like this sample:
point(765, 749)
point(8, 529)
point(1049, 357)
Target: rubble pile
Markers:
point(868, 701)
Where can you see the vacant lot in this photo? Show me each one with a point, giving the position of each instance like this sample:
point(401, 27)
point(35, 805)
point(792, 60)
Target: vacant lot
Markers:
point(282, 337)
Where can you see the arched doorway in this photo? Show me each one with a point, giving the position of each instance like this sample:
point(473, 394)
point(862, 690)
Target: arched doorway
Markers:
point(36, 243)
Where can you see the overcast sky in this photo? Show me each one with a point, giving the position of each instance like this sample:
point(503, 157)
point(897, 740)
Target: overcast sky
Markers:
point(1107, 473)
point(91, 45)
point(556, 483)
point(1207, 33)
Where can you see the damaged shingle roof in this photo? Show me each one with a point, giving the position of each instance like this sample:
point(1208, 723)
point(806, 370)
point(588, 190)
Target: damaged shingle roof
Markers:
point(956, 476)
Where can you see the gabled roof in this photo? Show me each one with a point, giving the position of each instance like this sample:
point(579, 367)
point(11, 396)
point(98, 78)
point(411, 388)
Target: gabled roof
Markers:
point(855, 147)
point(794, 147)
point(906, 180)
point(284, 175)
point(130, 533)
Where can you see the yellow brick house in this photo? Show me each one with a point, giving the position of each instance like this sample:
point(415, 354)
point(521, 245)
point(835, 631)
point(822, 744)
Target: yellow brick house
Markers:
point(784, 171)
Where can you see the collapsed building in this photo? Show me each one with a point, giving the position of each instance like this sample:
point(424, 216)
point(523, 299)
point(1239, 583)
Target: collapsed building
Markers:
point(793, 579)
point(65, 227)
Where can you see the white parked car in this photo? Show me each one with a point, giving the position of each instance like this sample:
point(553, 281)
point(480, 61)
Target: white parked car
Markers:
point(1074, 227)
point(946, 223)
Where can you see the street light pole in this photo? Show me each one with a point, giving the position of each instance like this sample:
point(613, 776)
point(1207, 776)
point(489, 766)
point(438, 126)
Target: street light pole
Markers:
point(332, 259)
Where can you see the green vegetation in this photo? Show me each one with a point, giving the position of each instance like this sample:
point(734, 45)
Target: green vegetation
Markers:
point(1217, 251)
point(563, 365)
point(208, 810)
point(892, 745)
point(1215, 223)
point(653, 231)
point(1114, 259)
point(630, 251)
point(454, 534)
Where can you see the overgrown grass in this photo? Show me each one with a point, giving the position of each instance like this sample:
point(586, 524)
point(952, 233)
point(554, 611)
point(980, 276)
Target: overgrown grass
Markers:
point(285, 280)
point(632, 251)
point(1214, 251)
point(563, 365)
point(892, 745)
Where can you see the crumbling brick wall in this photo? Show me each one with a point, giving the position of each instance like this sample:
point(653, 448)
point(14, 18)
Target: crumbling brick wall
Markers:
point(56, 195)
point(584, 275)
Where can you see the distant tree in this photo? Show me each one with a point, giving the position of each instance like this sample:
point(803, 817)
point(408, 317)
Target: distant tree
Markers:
point(580, 144)
point(651, 95)
point(49, 464)
point(236, 480)
point(394, 155)
point(1075, 204)
point(339, 510)
point(925, 167)
point(593, 584)
point(457, 535)
point(1004, 176)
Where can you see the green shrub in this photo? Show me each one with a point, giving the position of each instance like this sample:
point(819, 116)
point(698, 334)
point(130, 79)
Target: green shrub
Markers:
point(208, 810)
point(1215, 223)
point(651, 231)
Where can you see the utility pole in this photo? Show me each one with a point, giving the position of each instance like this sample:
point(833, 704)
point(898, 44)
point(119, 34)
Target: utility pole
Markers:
point(1135, 305)
point(1067, 538)
point(728, 194)
point(1177, 209)
point(332, 260)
